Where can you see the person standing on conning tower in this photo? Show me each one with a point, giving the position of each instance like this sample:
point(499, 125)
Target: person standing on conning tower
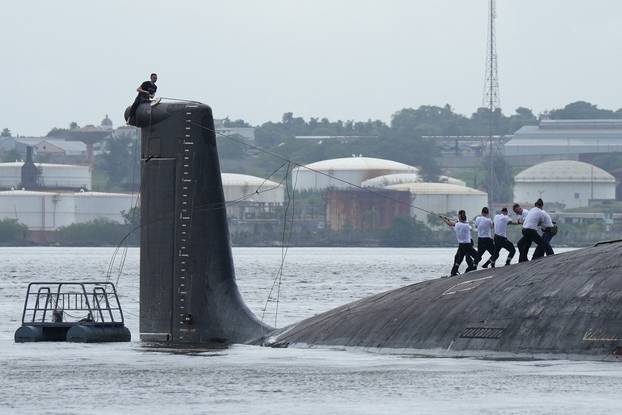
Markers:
point(465, 245)
point(146, 91)
point(484, 225)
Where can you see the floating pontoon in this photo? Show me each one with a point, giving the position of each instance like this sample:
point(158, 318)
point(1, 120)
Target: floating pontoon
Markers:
point(84, 312)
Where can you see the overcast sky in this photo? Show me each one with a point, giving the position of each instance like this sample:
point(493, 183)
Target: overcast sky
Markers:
point(77, 60)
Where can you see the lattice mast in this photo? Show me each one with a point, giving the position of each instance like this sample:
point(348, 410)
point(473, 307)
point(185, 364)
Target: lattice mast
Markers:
point(491, 99)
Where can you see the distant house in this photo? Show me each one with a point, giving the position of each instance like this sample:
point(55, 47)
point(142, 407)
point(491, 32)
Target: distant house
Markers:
point(246, 132)
point(52, 149)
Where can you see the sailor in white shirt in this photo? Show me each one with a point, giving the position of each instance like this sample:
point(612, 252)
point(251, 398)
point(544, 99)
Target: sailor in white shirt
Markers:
point(465, 245)
point(501, 241)
point(549, 230)
point(484, 237)
point(535, 218)
point(520, 212)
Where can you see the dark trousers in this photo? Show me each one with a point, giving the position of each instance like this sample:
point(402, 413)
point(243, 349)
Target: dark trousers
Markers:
point(501, 242)
point(139, 100)
point(465, 251)
point(529, 236)
point(548, 249)
point(485, 245)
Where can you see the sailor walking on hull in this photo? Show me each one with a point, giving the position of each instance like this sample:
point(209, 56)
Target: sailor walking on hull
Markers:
point(484, 237)
point(535, 218)
point(549, 230)
point(465, 243)
point(501, 222)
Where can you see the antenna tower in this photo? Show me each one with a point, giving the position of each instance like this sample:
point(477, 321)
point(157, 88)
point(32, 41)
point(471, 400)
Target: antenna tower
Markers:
point(491, 99)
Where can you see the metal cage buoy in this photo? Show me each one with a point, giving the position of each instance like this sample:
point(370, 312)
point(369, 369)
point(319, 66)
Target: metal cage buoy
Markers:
point(84, 312)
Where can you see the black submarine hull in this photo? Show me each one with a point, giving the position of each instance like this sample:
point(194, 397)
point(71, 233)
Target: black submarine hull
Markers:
point(560, 306)
point(566, 305)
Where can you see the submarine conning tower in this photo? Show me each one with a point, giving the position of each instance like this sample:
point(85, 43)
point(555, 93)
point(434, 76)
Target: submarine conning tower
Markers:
point(188, 293)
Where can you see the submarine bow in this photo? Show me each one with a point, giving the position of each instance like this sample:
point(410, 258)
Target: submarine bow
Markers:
point(564, 305)
point(188, 292)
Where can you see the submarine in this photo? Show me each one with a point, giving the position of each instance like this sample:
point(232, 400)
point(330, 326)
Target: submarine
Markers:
point(563, 306)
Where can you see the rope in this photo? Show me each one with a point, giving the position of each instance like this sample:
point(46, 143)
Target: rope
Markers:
point(284, 249)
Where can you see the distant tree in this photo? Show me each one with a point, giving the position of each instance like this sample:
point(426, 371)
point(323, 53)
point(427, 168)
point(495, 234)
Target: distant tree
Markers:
point(11, 231)
point(581, 110)
point(57, 132)
point(120, 161)
point(406, 231)
point(230, 149)
point(523, 116)
point(73, 125)
point(99, 231)
point(5, 132)
point(503, 182)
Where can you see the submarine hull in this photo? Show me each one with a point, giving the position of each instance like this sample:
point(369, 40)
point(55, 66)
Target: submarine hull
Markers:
point(559, 306)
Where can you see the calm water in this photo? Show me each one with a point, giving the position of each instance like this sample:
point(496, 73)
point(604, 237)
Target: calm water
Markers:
point(58, 378)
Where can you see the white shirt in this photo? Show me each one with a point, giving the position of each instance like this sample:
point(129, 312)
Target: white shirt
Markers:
point(501, 225)
point(547, 222)
point(463, 232)
point(534, 219)
point(524, 214)
point(484, 227)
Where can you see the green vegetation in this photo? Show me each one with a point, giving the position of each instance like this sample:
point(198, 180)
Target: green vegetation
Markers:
point(117, 168)
point(99, 232)
point(12, 232)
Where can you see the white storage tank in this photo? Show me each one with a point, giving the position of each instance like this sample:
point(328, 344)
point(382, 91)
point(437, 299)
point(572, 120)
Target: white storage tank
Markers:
point(48, 211)
point(237, 186)
point(11, 174)
point(443, 198)
point(39, 211)
point(53, 176)
point(349, 169)
point(111, 206)
point(567, 182)
point(399, 178)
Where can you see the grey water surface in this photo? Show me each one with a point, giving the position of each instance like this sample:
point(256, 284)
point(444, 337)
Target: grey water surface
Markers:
point(128, 378)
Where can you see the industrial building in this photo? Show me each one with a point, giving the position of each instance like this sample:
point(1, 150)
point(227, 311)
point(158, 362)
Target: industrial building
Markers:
point(399, 178)
point(442, 198)
point(349, 169)
point(563, 139)
point(356, 209)
point(51, 176)
point(47, 211)
point(569, 183)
